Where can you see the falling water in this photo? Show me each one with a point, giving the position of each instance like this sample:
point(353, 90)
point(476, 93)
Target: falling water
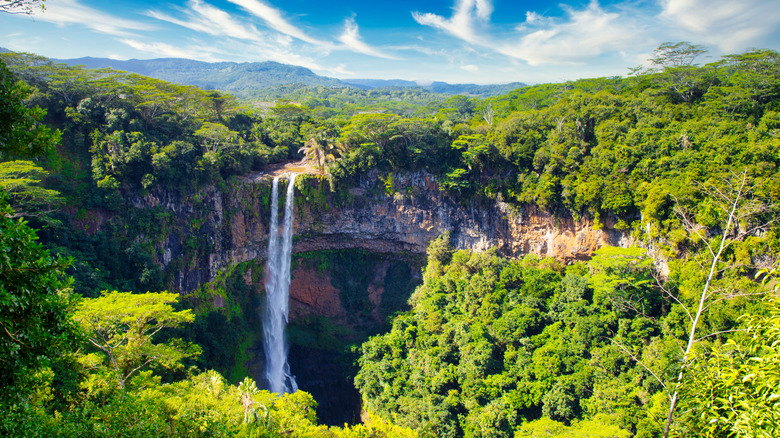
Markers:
point(277, 289)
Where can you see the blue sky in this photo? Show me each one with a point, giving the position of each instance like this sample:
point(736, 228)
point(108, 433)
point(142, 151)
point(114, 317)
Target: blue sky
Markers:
point(457, 41)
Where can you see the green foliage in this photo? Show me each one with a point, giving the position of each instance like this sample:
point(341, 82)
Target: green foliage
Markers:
point(21, 132)
point(544, 428)
point(732, 389)
point(201, 405)
point(20, 180)
point(491, 344)
point(473, 356)
point(35, 305)
point(122, 327)
point(623, 279)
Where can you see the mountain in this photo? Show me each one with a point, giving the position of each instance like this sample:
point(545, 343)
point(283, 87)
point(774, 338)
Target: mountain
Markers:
point(438, 87)
point(238, 78)
point(243, 78)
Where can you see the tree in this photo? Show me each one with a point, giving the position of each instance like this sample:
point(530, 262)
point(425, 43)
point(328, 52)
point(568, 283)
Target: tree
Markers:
point(741, 214)
point(21, 131)
point(20, 180)
point(676, 62)
point(35, 304)
point(316, 149)
point(122, 326)
point(488, 112)
point(247, 390)
point(621, 276)
point(733, 387)
point(215, 136)
point(34, 290)
point(754, 79)
point(20, 6)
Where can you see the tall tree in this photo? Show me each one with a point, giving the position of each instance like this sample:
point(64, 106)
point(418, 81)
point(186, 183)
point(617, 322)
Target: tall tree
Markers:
point(21, 132)
point(21, 180)
point(678, 71)
point(35, 304)
point(316, 150)
point(123, 325)
point(741, 214)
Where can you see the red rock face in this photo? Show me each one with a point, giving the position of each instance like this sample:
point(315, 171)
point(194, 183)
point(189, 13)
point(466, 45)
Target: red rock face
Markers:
point(311, 293)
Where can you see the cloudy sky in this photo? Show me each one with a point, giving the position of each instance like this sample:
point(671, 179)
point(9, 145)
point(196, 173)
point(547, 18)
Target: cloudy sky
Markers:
point(458, 41)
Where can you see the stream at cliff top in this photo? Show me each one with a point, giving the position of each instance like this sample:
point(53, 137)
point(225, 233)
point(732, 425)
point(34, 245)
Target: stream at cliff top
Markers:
point(277, 288)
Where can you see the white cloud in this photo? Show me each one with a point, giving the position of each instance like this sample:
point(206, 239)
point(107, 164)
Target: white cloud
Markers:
point(241, 52)
point(64, 12)
point(351, 39)
point(532, 17)
point(204, 18)
point(730, 25)
point(461, 24)
point(470, 68)
point(164, 50)
point(484, 9)
point(583, 34)
point(275, 20)
point(580, 35)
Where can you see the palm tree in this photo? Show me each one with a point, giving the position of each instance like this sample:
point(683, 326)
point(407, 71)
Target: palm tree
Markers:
point(316, 149)
point(246, 391)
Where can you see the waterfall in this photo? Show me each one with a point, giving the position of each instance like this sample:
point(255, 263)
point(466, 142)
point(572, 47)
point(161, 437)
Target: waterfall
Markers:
point(277, 289)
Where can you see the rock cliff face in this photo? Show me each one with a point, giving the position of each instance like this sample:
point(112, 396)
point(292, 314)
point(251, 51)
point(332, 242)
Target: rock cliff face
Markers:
point(232, 227)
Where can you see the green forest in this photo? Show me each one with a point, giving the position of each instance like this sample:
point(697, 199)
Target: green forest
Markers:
point(675, 336)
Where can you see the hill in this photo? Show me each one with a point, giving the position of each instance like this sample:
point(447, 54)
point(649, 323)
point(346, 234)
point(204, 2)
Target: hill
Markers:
point(237, 78)
point(245, 78)
point(438, 87)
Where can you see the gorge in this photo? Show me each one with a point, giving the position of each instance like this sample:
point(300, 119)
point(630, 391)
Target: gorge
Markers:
point(372, 243)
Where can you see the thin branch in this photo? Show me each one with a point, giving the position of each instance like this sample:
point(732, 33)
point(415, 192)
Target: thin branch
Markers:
point(720, 333)
point(672, 296)
point(636, 359)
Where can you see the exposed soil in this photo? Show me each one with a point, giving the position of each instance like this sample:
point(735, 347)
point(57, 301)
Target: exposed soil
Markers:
point(304, 166)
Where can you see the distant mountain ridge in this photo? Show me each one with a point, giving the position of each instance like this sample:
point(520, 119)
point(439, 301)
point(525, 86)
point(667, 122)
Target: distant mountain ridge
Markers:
point(233, 77)
point(437, 86)
point(243, 78)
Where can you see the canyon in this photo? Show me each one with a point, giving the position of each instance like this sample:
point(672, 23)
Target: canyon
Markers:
point(358, 254)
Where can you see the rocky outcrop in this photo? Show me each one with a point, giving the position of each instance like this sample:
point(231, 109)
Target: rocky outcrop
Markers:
point(232, 227)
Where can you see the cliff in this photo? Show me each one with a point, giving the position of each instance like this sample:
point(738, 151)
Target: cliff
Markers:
point(232, 225)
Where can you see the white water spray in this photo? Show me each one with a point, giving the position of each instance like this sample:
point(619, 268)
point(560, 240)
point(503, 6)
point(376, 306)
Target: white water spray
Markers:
point(277, 289)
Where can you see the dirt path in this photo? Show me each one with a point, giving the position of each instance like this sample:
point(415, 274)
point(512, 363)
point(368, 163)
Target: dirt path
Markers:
point(280, 169)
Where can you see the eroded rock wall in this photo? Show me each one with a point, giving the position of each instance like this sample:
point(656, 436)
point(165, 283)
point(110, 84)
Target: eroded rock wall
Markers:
point(232, 227)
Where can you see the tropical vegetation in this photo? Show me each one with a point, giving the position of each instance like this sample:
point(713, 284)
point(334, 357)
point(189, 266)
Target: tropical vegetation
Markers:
point(676, 335)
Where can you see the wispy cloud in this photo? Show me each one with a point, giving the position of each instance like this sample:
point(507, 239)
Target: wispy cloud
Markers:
point(461, 23)
point(730, 25)
point(351, 39)
point(581, 35)
point(241, 52)
point(202, 17)
point(168, 51)
point(275, 20)
point(64, 12)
